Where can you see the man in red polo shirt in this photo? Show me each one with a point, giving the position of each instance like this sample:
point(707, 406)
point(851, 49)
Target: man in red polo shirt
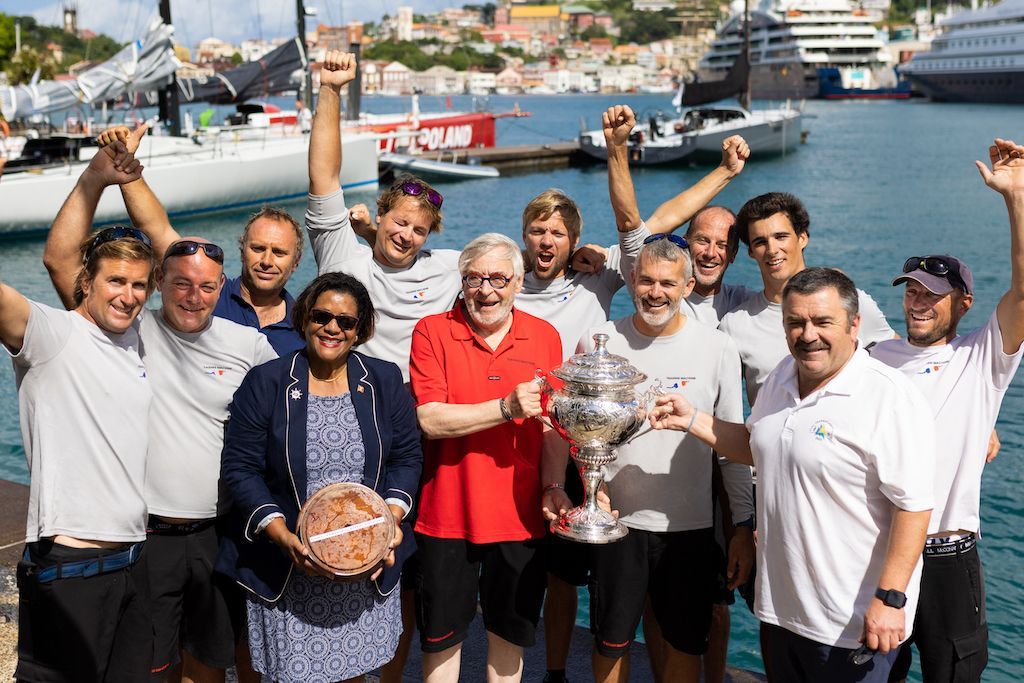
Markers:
point(480, 520)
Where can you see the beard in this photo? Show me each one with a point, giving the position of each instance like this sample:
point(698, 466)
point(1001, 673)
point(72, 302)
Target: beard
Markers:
point(656, 319)
point(488, 317)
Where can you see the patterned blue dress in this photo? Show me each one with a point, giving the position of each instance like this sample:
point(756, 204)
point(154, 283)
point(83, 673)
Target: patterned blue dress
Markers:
point(320, 630)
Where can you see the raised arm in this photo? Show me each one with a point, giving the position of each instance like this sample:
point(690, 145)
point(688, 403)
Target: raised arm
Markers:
point(684, 205)
point(325, 140)
point(618, 122)
point(74, 220)
point(14, 310)
point(1007, 178)
point(730, 439)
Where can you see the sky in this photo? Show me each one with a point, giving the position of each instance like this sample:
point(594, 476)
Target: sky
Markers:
point(230, 20)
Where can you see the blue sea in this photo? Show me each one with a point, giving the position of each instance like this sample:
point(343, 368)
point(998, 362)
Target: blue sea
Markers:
point(882, 181)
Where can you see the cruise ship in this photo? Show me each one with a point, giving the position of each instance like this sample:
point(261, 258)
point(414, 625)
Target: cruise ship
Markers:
point(807, 48)
point(978, 57)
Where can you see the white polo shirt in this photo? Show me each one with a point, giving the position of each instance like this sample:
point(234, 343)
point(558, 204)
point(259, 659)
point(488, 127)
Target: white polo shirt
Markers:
point(756, 327)
point(712, 308)
point(84, 396)
point(662, 481)
point(832, 467)
point(194, 376)
point(964, 382)
point(401, 296)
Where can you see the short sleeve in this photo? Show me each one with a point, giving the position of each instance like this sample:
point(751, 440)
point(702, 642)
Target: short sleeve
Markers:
point(46, 334)
point(427, 374)
point(330, 231)
point(987, 353)
point(904, 457)
point(264, 352)
point(729, 406)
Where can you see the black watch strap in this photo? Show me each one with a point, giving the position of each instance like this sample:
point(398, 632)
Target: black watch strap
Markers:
point(892, 597)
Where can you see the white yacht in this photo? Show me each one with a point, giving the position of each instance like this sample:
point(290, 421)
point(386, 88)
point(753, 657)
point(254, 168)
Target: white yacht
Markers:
point(978, 57)
point(807, 48)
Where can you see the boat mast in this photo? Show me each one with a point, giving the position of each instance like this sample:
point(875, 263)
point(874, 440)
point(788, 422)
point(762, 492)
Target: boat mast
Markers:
point(745, 95)
point(170, 115)
point(306, 91)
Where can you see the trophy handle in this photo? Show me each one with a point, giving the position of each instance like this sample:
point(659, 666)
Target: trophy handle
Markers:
point(650, 396)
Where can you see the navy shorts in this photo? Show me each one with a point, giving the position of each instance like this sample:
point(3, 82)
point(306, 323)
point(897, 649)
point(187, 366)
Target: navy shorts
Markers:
point(83, 629)
point(508, 577)
point(791, 658)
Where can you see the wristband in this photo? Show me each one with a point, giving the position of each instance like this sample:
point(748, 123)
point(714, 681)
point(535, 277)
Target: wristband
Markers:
point(693, 418)
point(505, 412)
point(552, 487)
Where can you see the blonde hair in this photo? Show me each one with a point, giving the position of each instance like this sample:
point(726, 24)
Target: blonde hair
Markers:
point(114, 250)
point(547, 203)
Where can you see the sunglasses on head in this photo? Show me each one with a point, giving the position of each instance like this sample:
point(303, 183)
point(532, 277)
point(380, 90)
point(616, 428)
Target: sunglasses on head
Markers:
point(189, 247)
point(498, 281)
point(674, 239)
point(319, 316)
point(114, 233)
point(938, 266)
point(415, 189)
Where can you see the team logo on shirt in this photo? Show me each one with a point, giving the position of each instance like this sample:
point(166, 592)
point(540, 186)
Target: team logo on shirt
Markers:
point(420, 294)
point(142, 372)
point(933, 368)
point(216, 370)
point(677, 382)
point(823, 431)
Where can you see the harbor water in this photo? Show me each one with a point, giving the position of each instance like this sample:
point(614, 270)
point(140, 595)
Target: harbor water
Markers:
point(881, 180)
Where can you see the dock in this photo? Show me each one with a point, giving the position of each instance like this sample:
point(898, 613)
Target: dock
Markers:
point(517, 157)
point(14, 504)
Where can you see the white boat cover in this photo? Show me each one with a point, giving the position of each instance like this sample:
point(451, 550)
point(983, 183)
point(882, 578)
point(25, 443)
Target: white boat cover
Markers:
point(144, 65)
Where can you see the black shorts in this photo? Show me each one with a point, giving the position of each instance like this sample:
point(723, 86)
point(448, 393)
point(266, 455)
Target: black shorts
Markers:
point(568, 560)
point(509, 578)
point(82, 629)
point(677, 569)
point(950, 628)
point(193, 607)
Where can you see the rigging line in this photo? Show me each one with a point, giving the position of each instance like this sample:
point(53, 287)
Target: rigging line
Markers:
point(259, 21)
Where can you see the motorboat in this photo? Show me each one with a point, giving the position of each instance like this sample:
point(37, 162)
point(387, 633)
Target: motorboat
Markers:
point(698, 132)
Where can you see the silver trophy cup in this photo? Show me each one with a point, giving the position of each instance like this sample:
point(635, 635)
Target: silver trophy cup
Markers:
point(597, 410)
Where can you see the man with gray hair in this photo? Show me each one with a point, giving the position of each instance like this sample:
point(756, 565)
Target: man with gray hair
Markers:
point(480, 521)
point(661, 482)
point(844, 450)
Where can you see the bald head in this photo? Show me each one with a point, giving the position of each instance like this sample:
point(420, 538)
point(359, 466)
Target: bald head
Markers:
point(713, 246)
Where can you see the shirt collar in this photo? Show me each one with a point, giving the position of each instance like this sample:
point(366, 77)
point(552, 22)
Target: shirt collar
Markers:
point(843, 384)
point(234, 289)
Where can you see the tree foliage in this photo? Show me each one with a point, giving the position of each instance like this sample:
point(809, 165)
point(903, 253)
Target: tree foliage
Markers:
point(410, 54)
point(23, 65)
point(37, 36)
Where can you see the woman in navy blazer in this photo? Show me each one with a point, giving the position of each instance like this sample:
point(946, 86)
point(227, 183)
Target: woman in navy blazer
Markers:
point(275, 456)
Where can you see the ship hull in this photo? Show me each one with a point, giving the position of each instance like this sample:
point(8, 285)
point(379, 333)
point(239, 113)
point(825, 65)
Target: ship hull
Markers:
point(1004, 87)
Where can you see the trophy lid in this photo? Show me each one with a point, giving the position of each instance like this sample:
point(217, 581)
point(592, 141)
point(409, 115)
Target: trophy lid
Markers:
point(599, 368)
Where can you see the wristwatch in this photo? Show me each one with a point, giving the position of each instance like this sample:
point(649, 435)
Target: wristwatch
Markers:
point(892, 597)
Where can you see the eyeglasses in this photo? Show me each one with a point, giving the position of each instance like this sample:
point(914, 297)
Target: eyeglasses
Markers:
point(498, 281)
point(114, 233)
point(415, 189)
point(938, 266)
point(674, 239)
point(189, 247)
point(319, 316)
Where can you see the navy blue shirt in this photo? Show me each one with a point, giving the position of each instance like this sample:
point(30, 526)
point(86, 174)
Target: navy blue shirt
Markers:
point(282, 336)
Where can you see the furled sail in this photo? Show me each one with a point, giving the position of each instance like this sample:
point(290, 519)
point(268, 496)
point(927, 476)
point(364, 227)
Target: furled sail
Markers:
point(735, 82)
point(142, 66)
point(276, 72)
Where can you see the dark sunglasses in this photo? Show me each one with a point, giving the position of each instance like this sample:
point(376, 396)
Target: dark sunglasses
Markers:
point(319, 316)
point(117, 232)
point(497, 281)
point(189, 247)
point(415, 189)
point(938, 266)
point(674, 239)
